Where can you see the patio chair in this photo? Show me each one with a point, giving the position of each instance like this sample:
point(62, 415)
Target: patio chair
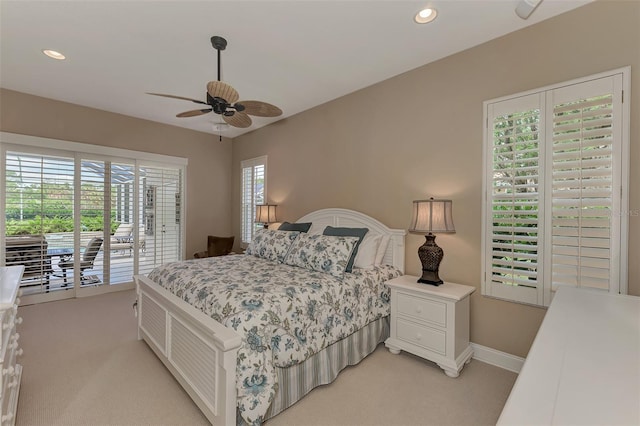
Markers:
point(122, 238)
point(88, 257)
point(30, 251)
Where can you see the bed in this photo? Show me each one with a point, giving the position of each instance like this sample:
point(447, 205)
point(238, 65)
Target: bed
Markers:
point(297, 328)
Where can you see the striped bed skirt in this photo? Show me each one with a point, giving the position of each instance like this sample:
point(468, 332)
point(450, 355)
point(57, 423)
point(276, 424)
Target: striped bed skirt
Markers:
point(323, 368)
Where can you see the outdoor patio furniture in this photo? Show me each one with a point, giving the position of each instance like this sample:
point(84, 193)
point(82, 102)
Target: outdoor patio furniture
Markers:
point(88, 257)
point(30, 251)
point(122, 239)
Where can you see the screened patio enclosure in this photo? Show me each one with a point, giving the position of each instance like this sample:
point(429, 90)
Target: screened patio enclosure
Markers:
point(79, 221)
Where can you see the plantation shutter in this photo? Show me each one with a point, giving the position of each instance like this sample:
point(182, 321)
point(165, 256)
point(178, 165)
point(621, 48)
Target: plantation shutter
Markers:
point(161, 200)
point(122, 246)
point(93, 193)
point(585, 185)
point(254, 173)
point(555, 176)
point(38, 199)
point(515, 209)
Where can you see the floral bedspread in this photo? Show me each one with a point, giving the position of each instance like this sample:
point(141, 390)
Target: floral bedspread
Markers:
point(283, 313)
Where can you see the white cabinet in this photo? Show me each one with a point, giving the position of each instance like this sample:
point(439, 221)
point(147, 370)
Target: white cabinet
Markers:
point(10, 370)
point(431, 322)
point(584, 365)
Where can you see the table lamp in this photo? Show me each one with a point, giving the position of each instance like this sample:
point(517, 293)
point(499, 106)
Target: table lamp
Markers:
point(266, 214)
point(429, 217)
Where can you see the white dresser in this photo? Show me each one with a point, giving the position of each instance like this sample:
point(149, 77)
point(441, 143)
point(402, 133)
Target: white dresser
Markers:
point(584, 365)
point(431, 322)
point(9, 348)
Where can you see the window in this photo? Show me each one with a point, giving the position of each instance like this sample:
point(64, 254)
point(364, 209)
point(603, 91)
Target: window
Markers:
point(76, 215)
point(254, 192)
point(556, 190)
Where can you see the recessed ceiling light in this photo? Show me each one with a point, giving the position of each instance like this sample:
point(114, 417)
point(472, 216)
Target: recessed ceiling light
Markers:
point(53, 54)
point(425, 16)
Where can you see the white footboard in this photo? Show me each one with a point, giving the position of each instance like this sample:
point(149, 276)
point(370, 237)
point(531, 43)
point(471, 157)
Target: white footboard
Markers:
point(200, 352)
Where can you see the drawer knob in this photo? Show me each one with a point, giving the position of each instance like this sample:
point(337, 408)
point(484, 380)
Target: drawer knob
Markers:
point(418, 310)
point(8, 371)
point(19, 320)
point(19, 352)
point(418, 336)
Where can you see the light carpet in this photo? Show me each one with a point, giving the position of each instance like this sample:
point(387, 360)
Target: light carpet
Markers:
point(83, 365)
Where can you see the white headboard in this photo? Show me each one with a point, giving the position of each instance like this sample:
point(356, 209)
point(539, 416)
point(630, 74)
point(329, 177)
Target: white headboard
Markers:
point(353, 219)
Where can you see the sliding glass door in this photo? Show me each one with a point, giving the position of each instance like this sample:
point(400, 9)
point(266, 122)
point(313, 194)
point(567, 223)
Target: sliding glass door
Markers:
point(122, 249)
point(86, 223)
point(161, 201)
point(39, 218)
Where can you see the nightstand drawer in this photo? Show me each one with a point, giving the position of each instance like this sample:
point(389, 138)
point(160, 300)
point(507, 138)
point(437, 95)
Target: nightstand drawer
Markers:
point(426, 337)
point(427, 310)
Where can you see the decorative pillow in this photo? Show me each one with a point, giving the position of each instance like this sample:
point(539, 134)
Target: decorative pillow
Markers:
point(348, 232)
point(271, 244)
point(301, 227)
point(367, 251)
point(322, 253)
point(382, 248)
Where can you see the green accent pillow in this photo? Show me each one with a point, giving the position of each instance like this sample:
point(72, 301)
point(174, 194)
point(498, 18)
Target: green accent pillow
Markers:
point(348, 232)
point(300, 227)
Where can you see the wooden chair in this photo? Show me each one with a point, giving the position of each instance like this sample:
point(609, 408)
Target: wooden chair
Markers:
point(216, 246)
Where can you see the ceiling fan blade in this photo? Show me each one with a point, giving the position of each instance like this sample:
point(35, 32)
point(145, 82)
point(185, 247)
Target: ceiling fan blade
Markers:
point(218, 89)
point(238, 119)
point(260, 109)
point(194, 112)
point(178, 97)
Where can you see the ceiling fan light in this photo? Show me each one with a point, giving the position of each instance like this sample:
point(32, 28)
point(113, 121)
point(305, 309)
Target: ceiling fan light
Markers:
point(54, 54)
point(425, 15)
point(220, 127)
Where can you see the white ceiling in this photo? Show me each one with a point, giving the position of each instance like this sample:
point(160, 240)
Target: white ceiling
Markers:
point(294, 54)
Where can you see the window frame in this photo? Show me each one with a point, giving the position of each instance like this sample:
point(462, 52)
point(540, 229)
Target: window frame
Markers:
point(251, 163)
point(621, 169)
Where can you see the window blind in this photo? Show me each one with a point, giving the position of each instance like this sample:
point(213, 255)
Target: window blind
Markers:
point(254, 174)
point(161, 199)
point(515, 229)
point(554, 191)
point(583, 191)
point(38, 208)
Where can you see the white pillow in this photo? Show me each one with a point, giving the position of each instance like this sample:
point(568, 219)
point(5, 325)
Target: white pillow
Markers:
point(382, 248)
point(367, 251)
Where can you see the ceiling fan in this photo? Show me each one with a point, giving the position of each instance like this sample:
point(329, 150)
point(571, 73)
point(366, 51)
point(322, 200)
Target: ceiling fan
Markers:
point(222, 99)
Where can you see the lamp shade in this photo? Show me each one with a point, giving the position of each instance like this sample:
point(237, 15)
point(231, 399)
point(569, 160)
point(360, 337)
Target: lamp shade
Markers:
point(432, 216)
point(265, 213)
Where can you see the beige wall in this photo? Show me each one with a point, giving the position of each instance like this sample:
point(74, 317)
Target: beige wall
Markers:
point(209, 169)
point(420, 134)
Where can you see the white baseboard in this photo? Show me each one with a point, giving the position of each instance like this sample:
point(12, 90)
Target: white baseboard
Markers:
point(497, 358)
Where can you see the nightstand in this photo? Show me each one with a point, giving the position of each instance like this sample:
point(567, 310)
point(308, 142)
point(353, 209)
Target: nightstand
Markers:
point(431, 322)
